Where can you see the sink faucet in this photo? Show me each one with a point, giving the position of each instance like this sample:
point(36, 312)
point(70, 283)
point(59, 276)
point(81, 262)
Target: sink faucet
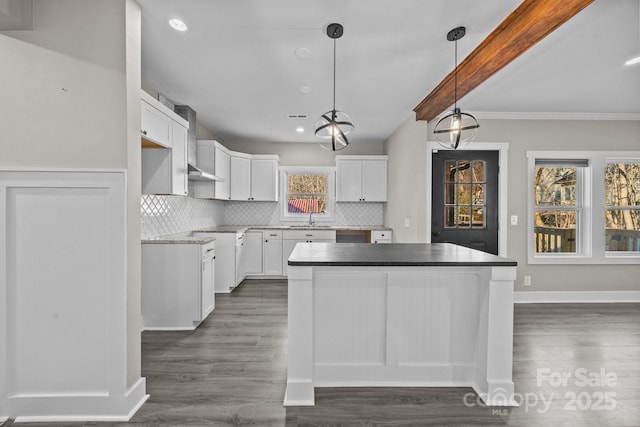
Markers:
point(311, 220)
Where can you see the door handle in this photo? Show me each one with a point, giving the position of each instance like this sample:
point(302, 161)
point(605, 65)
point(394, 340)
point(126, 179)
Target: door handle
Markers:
point(435, 233)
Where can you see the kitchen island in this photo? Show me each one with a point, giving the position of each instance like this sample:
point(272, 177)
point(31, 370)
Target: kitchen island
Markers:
point(399, 315)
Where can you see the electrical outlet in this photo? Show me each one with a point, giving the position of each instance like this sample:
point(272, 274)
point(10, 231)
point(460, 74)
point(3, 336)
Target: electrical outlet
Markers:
point(407, 222)
point(527, 280)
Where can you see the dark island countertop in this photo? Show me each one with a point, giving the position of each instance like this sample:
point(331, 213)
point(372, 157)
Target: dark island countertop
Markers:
point(394, 254)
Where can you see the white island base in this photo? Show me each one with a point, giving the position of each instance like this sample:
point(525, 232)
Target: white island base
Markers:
point(399, 326)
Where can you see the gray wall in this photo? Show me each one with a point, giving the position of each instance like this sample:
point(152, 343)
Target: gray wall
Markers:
point(70, 99)
point(302, 154)
point(407, 174)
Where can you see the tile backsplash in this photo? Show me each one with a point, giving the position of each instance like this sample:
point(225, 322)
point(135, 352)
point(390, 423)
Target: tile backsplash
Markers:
point(267, 213)
point(162, 215)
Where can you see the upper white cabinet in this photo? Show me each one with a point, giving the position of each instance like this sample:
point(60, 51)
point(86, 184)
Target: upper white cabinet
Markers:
point(212, 158)
point(240, 176)
point(156, 125)
point(361, 178)
point(264, 178)
point(164, 149)
point(223, 170)
point(254, 177)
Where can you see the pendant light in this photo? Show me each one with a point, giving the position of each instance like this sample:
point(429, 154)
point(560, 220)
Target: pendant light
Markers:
point(334, 126)
point(457, 127)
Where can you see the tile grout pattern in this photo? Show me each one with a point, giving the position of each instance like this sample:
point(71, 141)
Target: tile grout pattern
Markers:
point(267, 213)
point(163, 215)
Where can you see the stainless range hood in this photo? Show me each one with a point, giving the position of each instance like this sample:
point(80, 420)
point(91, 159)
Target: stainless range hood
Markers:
point(195, 173)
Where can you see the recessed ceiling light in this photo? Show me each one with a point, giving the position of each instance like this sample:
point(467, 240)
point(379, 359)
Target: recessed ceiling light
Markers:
point(178, 25)
point(305, 90)
point(633, 61)
point(303, 52)
point(299, 129)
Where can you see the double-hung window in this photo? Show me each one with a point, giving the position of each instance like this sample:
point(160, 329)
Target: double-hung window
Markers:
point(622, 206)
point(558, 206)
point(584, 207)
point(308, 193)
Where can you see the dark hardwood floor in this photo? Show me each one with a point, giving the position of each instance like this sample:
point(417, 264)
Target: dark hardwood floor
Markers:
point(232, 371)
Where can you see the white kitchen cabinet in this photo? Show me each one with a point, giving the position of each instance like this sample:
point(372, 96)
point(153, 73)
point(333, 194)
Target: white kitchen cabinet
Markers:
point(361, 178)
point(272, 252)
point(223, 170)
point(290, 238)
point(155, 124)
point(240, 176)
point(179, 157)
point(253, 248)
point(164, 171)
point(206, 161)
point(177, 284)
point(164, 149)
point(230, 260)
point(381, 236)
point(264, 178)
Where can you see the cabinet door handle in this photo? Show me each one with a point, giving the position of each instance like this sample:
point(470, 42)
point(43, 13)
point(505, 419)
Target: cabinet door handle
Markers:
point(309, 235)
point(209, 250)
point(144, 132)
point(266, 241)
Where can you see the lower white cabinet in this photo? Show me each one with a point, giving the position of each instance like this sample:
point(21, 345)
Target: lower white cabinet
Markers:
point(230, 259)
point(381, 236)
point(253, 248)
point(177, 284)
point(290, 238)
point(272, 252)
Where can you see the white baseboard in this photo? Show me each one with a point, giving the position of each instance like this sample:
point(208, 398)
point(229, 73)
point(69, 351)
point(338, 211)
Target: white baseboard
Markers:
point(81, 408)
point(576, 297)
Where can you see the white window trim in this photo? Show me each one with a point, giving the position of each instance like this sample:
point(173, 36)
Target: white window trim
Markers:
point(331, 193)
point(591, 239)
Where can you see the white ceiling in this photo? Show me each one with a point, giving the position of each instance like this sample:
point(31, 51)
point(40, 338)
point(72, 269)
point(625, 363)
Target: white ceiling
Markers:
point(236, 65)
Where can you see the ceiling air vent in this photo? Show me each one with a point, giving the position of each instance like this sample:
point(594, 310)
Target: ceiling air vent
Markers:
point(297, 116)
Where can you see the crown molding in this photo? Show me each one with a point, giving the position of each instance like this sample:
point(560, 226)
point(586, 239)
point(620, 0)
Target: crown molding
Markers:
point(490, 115)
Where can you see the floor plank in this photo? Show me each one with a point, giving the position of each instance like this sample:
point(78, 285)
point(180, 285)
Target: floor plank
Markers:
point(232, 371)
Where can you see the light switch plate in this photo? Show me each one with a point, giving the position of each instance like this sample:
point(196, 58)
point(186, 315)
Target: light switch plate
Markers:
point(514, 219)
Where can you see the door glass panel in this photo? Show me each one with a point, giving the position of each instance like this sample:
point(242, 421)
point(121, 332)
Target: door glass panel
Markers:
point(464, 190)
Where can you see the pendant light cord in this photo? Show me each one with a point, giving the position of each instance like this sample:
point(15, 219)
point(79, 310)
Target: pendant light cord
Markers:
point(455, 76)
point(334, 74)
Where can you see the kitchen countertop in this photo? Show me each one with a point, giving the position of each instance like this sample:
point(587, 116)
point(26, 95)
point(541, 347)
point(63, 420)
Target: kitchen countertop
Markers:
point(237, 228)
point(187, 237)
point(394, 254)
point(182, 238)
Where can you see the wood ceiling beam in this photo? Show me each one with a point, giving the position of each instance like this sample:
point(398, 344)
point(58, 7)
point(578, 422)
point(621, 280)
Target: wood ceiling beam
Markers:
point(529, 23)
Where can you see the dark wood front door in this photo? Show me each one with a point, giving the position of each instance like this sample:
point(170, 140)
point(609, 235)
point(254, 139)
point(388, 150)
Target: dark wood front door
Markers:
point(464, 207)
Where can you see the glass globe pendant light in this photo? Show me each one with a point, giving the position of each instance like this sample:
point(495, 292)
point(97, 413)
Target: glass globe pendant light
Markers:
point(456, 128)
point(333, 127)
